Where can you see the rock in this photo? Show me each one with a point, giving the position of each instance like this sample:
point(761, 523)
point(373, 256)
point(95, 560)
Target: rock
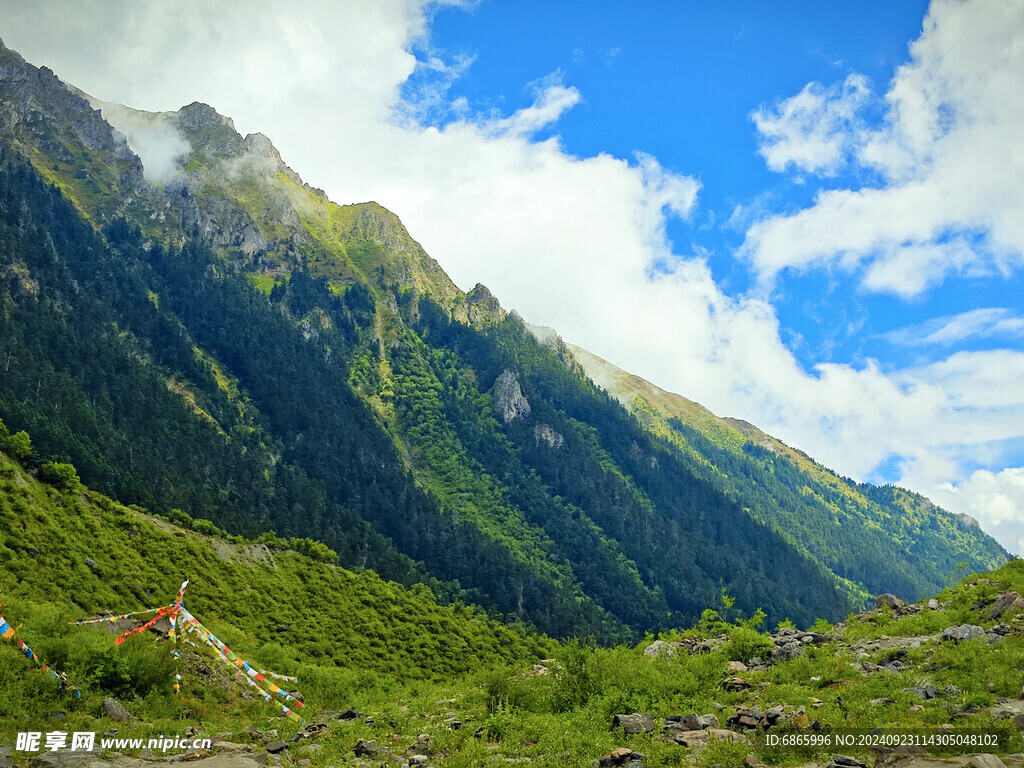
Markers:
point(737, 684)
point(115, 711)
point(952, 690)
point(282, 628)
point(276, 747)
point(933, 604)
point(707, 721)
point(735, 667)
point(638, 722)
point(661, 648)
point(924, 691)
point(5, 758)
point(961, 632)
point(751, 761)
point(691, 739)
point(846, 760)
point(421, 745)
point(545, 433)
point(916, 708)
point(418, 760)
point(621, 756)
point(509, 401)
point(893, 602)
point(987, 761)
point(881, 701)
point(219, 745)
point(1007, 605)
point(366, 748)
point(350, 714)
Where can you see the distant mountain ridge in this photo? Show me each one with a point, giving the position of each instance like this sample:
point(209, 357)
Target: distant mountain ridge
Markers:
point(225, 340)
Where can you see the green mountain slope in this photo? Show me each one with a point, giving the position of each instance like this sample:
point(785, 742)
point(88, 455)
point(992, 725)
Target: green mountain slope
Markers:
point(227, 341)
point(65, 549)
point(851, 528)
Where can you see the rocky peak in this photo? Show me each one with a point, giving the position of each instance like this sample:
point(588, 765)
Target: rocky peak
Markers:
point(484, 308)
point(197, 115)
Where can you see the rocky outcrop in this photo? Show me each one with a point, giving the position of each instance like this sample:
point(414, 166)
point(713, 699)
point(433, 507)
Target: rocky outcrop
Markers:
point(483, 309)
point(509, 401)
point(544, 433)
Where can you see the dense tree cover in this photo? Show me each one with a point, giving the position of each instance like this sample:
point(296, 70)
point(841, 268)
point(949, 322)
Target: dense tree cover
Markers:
point(344, 396)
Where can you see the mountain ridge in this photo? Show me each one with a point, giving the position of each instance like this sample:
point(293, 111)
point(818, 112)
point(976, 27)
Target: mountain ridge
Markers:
point(234, 344)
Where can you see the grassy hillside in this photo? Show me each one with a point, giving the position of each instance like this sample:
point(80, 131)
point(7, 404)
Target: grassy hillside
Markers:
point(479, 691)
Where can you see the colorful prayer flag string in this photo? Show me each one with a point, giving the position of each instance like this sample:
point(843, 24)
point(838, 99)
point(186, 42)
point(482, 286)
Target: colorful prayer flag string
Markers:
point(7, 632)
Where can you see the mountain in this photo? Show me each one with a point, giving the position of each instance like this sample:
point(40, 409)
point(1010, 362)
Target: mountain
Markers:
point(850, 528)
point(199, 330)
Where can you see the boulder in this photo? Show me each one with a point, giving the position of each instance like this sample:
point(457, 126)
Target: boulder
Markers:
point(115, 711)
point(961, 632)
point(637, 722)
point(891, 601)
point(661, 648)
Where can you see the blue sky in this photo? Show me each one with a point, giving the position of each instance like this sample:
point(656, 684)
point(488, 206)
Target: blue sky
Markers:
point(805, 215)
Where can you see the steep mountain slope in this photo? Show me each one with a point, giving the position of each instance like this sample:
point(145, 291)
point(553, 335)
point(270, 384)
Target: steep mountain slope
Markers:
point(849, 527)
point(223, 339)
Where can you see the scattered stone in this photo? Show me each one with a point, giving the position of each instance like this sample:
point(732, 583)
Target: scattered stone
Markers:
point(421, 745)
point(115, 711)
point(691, 739)
point(638, 722)
point(350, 714)
point(282, 628)
point(366, 748)
point(479, 733)
point(418, 760)
point(751, 761)
point(735, 667)
point(924, 691)
point(952, 690)
point(917, 708)
point(90, 564)
point(275, 747)
point(621, 756)
point(933, 604)
point(962, 632)
point(881, 701)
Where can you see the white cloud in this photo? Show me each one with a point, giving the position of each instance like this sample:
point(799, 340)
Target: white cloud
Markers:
point(814, 130)
point(949, 153)
point(974, 324)
point(579, 243)
point(994, 499)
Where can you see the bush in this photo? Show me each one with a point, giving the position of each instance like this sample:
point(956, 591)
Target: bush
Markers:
point(746, 643)
point(60, 475)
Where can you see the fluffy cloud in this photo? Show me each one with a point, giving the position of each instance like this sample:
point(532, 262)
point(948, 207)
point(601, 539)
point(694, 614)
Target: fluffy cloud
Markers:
point(994, 499)
point(579, 243)
point(949, 154)
point(814, 130)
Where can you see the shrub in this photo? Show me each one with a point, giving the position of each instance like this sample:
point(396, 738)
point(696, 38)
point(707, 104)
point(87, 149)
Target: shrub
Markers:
point(60, 475)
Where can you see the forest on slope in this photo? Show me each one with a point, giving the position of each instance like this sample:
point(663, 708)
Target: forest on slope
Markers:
point(234, 345)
